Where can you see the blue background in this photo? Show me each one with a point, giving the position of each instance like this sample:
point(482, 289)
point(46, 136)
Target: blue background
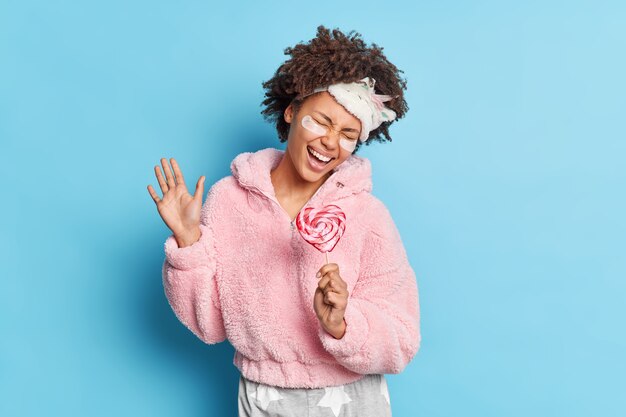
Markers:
point(506, 179)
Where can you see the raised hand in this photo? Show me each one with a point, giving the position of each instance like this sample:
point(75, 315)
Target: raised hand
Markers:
point(179, 210)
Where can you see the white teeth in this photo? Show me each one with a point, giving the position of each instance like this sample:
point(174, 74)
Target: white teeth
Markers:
point(319, 156)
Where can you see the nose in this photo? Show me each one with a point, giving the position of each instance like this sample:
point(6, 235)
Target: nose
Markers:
point(331, 139)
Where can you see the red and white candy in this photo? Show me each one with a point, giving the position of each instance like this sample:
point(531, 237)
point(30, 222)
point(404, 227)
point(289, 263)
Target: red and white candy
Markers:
point(322, 227)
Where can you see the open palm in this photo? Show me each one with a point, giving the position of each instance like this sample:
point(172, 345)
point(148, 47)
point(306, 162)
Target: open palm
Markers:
point(179, 210)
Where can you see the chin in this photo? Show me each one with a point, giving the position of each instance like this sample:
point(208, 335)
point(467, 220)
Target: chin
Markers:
point(309, 175)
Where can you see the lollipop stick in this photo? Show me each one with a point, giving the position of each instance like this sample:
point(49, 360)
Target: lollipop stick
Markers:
point(326, 253)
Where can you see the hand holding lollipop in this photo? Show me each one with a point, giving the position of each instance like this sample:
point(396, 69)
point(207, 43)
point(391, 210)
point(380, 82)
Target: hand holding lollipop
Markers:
point(323, 228)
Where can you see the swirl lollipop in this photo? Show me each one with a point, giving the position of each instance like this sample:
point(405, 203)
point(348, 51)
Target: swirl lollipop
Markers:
point(322, 227)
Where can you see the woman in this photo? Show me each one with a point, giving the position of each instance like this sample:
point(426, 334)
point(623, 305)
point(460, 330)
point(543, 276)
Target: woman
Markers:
point(310, 337)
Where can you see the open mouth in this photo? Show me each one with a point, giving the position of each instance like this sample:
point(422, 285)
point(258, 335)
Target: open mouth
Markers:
point(319, 157)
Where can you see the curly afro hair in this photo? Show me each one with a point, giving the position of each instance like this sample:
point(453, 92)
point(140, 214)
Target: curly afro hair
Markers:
point(329, 59)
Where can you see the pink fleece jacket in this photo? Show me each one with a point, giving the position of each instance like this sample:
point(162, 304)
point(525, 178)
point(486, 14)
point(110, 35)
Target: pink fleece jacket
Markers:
point(250, 278)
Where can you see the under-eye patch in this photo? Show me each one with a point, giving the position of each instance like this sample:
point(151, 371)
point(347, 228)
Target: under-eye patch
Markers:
point(311, 125)
point(348, 144)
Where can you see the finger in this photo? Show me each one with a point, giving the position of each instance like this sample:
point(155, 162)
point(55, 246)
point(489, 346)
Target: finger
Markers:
point(334, 276)
point(331, 278)
point(153, 194)
point(327, 299)
point(168, 173)
point(199, 188)
point(177, 172)
point(323, 282)
point(339, 300)
point(333, 298)
point(328, 267)
point(339, 282)
point(161, 180)
point(330, 287)
point(328, 283)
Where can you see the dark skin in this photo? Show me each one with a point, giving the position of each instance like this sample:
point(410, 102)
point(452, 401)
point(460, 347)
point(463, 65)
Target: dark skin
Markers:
point(331, 299)
point(179, 210)
point(293, 180)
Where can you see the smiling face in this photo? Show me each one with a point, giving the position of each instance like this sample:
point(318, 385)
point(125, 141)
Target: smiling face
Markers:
point(322, 135)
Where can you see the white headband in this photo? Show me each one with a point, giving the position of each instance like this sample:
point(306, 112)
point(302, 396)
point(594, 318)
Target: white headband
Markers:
point(360, 99)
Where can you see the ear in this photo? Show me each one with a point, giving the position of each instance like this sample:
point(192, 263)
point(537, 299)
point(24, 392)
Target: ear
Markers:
point(288, 115)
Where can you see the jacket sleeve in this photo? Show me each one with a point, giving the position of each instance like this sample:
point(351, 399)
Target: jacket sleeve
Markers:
point(189, 281)
point(382, 316)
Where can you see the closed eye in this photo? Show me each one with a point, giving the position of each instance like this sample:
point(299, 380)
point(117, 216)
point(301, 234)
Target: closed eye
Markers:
point(326, 126)
point(329, 120)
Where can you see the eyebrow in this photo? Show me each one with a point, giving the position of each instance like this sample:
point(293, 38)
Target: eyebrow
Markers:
point(347, 129)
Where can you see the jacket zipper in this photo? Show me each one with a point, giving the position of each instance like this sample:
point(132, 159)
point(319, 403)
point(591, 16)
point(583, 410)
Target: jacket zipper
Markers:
point(292, 222)
point(281, 209)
